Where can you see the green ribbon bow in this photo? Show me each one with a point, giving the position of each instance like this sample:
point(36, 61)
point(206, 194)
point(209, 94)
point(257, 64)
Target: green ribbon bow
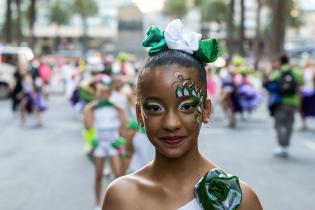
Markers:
point(155, 40)
point(208, 50)
point(218, 191)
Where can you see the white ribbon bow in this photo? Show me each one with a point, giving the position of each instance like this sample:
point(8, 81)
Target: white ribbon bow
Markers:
point(177, 40)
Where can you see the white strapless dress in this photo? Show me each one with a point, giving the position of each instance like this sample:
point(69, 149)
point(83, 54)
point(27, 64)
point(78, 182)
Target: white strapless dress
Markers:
point(192, 205)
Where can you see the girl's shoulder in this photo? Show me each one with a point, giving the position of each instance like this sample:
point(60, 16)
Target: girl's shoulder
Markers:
point(250, 200)
point(126, 192)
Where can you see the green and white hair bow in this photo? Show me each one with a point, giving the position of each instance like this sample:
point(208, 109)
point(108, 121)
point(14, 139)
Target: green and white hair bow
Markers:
point(205, 51)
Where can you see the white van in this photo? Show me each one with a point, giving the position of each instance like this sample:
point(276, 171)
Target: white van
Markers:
point(9, 58)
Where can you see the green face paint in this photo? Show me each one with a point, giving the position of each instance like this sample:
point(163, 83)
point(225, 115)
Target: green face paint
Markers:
point(188, 88)
point(152, 108)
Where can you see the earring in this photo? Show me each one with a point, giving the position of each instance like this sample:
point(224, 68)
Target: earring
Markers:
point(140, 124)
point(207, 122)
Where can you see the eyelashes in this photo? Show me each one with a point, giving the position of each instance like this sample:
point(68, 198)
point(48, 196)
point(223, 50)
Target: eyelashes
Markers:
point(187, 106)
point(153, 107)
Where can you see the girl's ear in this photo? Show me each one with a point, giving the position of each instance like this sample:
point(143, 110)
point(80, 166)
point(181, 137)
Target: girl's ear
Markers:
point(206, 111)
point(138, 113)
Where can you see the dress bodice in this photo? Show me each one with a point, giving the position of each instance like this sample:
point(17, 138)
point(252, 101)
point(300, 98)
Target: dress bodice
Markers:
point(192, 205)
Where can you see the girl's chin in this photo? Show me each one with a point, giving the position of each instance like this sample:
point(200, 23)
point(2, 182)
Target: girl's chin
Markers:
point(173, 153)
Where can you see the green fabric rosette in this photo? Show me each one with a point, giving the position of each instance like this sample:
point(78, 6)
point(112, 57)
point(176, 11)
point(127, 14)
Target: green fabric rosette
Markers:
point(218, 191)
point(155, 40)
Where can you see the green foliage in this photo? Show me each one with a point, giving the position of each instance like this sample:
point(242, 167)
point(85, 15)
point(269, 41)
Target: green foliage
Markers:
point(175, 8)
point(59, 13)
point(214, 10)
point(86, 8)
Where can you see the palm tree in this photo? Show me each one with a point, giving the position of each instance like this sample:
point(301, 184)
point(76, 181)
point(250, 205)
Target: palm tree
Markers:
point(212, 11)
point(242, 29)
point(279, 11)
point(85, 8)
point(60, 15)
point(230, 28)
point(8, 23)
point(257, 31)
point(18, 22)
point(32, 19)
point(175, 8)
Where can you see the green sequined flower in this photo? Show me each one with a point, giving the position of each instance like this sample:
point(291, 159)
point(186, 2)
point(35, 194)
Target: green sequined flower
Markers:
point(218, 191)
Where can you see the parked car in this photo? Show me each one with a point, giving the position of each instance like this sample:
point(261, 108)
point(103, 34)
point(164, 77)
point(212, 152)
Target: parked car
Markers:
point(9, 58)
point(6, 79)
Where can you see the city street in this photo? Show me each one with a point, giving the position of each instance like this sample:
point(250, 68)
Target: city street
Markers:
point(46, 168)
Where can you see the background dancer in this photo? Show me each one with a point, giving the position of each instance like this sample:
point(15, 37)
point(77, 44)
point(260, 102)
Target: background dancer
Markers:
point(106, 118)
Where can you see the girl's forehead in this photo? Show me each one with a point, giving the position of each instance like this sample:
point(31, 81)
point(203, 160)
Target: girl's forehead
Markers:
point(171, 73)
point(164, 80)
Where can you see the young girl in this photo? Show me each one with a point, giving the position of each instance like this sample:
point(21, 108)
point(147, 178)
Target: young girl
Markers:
point(172, 105)
point(106, 118)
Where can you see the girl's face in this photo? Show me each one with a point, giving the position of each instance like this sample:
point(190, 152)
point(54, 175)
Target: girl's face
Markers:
point(172, 107)
point(102, 91)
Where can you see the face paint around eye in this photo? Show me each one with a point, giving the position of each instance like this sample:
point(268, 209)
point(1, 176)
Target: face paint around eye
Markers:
point(150, 107)
point(189, 104)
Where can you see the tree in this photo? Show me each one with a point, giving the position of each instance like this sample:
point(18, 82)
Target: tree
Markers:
point(8, 22)
point(18, 22)
point(32, 19)
point(230, 28)
point(257, 31)
point(242, 29)
point(85, 8)
point(212, 11)
point(60, 15)
point(175, 8)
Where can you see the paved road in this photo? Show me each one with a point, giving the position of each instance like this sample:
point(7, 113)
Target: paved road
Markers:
point(45, 169)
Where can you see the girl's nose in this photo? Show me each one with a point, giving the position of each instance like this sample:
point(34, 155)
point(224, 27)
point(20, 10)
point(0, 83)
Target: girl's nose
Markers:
point(171, 121)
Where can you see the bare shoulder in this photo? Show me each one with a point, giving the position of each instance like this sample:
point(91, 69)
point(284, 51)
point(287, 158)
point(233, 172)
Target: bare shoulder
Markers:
point(250, 200)
point(121, 194)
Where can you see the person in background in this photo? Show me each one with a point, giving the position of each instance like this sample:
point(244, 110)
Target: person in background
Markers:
point(106, 118)
point(288, 79)
point(307, 108)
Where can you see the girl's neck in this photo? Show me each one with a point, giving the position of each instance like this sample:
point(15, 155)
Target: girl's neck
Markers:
point(189, 166)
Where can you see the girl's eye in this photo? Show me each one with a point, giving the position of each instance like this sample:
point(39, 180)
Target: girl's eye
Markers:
point(188, 106)
point(153, 108)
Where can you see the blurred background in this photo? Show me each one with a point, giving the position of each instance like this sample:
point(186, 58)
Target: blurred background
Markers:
point(66, 45)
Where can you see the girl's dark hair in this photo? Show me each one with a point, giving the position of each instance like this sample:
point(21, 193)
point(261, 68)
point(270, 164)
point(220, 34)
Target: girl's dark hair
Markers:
point(171, 57)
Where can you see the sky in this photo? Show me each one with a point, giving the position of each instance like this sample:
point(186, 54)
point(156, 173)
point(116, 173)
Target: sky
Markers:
point(149, 5)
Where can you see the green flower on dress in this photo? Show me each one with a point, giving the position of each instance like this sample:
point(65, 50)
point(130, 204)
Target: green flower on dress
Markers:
point(218, 191)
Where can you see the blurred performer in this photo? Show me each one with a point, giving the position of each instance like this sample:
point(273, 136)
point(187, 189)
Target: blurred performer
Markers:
point(140, 151)
point(16, 90)
point(288, 80)
point(308, 92)
point(106, 119)
point(31, 101)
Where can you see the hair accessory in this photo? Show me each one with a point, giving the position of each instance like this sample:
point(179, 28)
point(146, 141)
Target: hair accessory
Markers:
point(173, 38)
point(155, 40)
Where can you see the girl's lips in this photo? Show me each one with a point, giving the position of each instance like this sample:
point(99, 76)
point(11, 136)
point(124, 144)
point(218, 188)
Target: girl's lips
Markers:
point(172, 140)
